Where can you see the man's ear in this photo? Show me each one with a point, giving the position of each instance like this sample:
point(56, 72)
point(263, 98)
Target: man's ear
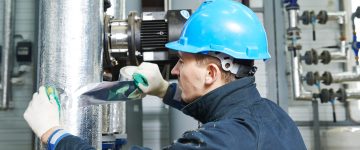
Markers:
point(213, 74)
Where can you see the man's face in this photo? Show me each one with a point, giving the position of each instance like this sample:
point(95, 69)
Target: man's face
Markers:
point(191, 77)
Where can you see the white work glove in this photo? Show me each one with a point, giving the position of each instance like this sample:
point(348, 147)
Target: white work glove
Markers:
point(42, 114)
point(154, 83)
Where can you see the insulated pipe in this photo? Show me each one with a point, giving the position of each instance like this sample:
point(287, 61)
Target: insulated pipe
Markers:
point(114, 115)
point(70, 56)
point(345, 77)
point(6, 61)
point(299, 91)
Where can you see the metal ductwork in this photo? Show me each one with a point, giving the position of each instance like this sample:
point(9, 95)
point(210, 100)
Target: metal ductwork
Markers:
point(70, 56)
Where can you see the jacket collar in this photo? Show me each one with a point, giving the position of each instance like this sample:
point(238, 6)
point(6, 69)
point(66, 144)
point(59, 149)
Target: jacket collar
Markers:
point(217, 103)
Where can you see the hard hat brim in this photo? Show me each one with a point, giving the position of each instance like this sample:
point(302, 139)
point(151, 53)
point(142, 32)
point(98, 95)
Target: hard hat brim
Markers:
point(192, 49)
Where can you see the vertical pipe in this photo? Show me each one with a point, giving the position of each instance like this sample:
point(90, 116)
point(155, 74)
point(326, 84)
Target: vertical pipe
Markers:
point(117, 9)
point(169, 4)
point(7, 53)
point(36, 141)
point(299, 92)
point(316, 125)
point(293, 18)
point(114, 117)
point(70, 50)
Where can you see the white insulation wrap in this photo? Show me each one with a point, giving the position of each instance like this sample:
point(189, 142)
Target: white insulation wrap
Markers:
point(70, 56)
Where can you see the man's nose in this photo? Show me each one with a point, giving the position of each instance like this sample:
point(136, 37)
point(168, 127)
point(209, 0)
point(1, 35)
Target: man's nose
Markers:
point(175, 70)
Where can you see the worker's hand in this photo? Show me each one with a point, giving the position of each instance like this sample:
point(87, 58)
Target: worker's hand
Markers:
point(42, 114)
point(153, 83)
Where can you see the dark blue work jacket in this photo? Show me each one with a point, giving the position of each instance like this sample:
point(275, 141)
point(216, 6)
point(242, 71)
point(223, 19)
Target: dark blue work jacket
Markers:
point(233, 117)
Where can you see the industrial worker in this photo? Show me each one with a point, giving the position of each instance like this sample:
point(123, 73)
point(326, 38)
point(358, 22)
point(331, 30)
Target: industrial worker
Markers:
point(216, 86)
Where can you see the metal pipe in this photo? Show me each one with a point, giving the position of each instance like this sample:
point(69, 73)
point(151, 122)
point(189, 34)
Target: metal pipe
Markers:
point(338, 56)
point(353, 94)
point(342, 54)
point(7, 53)
point(339, 16)
point(299, 91)
point(119, 35)
point(345, 77)
point(328, 123)
point(166, 5)
point(117, 9)
point(170, 5)
point(293, 18)
point(316, 124)
point(70, 53)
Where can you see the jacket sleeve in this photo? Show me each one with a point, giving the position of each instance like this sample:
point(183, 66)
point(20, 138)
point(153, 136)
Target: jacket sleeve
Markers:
point(215, 136)
point(173, 97)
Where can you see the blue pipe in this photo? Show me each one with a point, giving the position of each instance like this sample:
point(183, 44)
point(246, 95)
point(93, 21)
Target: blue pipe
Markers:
point(355, 44)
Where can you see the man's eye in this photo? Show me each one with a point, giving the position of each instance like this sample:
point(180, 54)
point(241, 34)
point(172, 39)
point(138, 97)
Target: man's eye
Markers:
point(181, 61)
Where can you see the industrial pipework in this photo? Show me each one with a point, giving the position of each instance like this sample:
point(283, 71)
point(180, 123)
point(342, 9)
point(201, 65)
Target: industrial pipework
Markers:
point(70, 53)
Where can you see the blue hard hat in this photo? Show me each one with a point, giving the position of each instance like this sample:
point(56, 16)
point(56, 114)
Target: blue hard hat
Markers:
point(223, 26)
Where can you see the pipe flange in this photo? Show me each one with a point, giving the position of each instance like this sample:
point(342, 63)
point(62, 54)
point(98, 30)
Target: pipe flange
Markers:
point(324, 96)
point(310, 79)
point(311, 57)
point(315, 57)
point(322, 17)
point(327, 78)
point(341, 95)
point(308, 57)
point(325, 57)
point(317, 77)
point(305, 17)
point(133, 37)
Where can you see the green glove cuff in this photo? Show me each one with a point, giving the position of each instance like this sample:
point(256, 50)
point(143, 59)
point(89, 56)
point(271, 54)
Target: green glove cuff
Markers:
point(139, 79)
point(52, 93)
